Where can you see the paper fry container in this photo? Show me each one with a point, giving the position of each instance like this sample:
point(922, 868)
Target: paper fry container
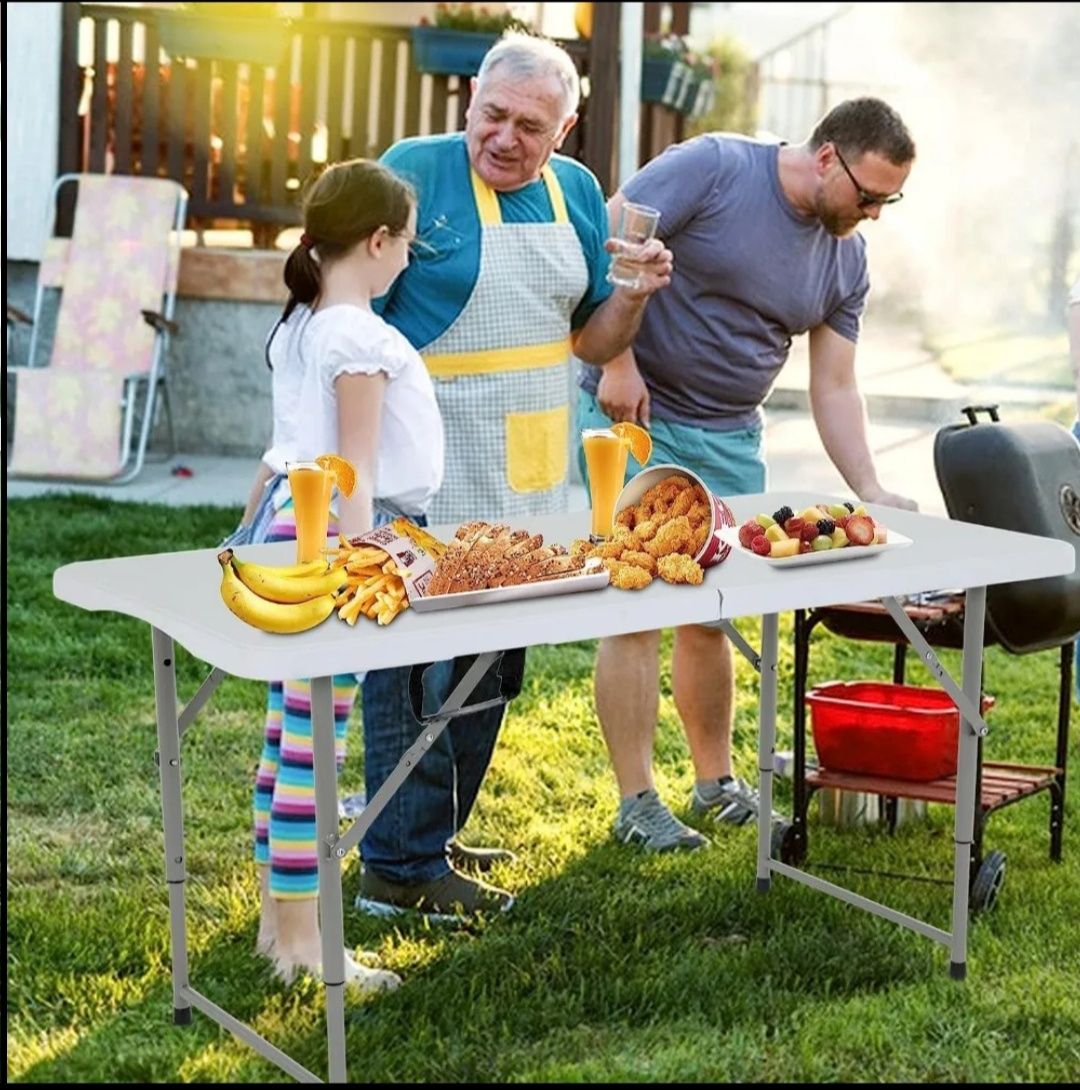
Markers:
point(714, 551)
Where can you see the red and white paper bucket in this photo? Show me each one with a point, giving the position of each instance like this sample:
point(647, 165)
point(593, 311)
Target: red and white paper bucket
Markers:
point(714, 551)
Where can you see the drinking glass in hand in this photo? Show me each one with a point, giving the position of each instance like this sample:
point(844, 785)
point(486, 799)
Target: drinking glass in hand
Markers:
point(637, 225)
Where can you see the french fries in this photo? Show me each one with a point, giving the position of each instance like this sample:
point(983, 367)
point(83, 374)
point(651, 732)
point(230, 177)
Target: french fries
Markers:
point(373, 587)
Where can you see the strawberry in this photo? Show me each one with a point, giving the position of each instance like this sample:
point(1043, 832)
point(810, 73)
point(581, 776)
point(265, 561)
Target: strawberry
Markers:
point(794, 525)
point(805, 546)
point(860, 529)
point(809, 531)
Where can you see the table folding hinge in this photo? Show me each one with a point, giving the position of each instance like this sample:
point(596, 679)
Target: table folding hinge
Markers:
point(333, 848)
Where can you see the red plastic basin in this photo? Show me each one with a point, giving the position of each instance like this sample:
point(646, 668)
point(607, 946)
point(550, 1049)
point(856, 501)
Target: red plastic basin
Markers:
point(873, 728)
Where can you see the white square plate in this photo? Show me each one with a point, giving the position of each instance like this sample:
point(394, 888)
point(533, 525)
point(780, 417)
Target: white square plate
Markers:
point(730, 535)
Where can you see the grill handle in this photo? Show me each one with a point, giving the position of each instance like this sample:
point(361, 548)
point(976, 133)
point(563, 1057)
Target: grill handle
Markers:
point(970, 412)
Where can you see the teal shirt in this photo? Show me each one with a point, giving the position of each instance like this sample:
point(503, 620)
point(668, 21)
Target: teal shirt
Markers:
point(433, 290)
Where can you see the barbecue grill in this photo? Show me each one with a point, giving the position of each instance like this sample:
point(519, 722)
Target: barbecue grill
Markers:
point(1023, 477)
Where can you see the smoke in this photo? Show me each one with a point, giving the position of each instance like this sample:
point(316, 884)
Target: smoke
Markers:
point(986, 235)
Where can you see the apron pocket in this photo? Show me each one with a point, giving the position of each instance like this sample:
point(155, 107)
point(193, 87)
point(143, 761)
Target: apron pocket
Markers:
point(536, 457)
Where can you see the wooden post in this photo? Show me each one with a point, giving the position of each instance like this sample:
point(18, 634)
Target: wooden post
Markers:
point(67, 160)
point(603, 92)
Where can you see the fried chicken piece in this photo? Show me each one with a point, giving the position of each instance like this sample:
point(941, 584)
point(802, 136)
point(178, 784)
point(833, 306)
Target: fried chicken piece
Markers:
point(629, 538)
point(677, 481)
point(646, 530)
point(699, 513)
point(626, 517)
point(700, 495)
point(628, 576)
point(673, 537)
point(680, 569)
point(580, 546)
point(609, 550)
point(682, 503)
point(643, 512)
point(642, 560)
point(701, 535)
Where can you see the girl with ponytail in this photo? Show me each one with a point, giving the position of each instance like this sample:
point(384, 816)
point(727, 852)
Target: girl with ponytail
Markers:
point(344, 382)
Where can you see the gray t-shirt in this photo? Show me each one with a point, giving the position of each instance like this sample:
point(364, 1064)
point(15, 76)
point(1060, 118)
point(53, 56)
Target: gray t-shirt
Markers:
point(750, 273)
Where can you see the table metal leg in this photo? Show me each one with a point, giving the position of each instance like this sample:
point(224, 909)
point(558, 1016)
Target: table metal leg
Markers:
point(766, 744)
point(331, 916)
point(967, 762)
point(172, 814)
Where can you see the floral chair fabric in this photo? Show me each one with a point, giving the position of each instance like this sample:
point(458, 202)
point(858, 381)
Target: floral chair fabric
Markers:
point(122, 259)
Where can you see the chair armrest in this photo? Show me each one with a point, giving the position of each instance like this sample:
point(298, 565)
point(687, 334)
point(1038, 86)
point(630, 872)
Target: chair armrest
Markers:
point(160, 322)
point(13, 314)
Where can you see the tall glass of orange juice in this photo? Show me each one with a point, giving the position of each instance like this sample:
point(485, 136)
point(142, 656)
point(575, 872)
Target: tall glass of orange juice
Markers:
point(311, 487)
point(605, 459)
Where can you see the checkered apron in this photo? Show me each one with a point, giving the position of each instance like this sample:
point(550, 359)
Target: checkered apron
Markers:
point(501, 370)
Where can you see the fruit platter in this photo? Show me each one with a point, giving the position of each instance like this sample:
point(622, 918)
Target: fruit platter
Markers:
point(820, 534)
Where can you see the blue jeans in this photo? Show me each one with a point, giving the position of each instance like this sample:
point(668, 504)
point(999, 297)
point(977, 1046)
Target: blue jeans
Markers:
point(407, 843)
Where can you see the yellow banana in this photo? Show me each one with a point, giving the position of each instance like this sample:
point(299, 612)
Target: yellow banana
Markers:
point(311, 580)
point(269, 616)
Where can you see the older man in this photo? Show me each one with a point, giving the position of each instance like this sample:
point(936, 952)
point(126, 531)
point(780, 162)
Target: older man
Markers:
point(509, 276)
point(766, 247)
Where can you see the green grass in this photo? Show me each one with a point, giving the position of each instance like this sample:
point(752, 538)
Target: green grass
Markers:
point(612, 966)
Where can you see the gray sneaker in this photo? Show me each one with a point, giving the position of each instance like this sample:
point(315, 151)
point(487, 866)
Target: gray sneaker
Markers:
point(736, 804)
point(646, 821)
point(449, 899)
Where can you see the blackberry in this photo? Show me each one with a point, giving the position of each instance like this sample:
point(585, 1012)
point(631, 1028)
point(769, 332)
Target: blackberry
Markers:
point(826, 526)
point(783, 514)
point(849, 506)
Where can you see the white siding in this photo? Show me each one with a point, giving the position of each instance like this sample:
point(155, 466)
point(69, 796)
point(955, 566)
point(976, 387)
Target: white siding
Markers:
point(32, 57)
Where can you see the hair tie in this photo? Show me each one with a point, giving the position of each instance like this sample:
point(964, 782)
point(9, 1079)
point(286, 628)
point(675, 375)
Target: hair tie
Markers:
point(306, 241)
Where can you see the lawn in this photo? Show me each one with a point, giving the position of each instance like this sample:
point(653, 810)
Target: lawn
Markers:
point(613, 965)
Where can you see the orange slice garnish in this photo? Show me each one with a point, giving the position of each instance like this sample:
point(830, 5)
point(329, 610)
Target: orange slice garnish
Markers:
point(343, 470)
point(639, 439)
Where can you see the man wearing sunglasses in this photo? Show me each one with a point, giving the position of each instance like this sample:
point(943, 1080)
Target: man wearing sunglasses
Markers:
point(765, 246)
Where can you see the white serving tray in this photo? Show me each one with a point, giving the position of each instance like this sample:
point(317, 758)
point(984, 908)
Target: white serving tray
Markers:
point(544, 588)
point(896, 540)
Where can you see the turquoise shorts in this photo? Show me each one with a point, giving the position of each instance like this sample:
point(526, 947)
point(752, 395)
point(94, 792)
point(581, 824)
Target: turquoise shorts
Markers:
point(729, 462)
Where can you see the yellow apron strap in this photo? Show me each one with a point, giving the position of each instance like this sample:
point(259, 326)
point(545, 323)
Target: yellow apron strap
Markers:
point(555, 193)
point(487, 202)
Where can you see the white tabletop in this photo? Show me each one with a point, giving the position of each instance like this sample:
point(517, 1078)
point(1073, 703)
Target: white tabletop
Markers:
point(179, 594)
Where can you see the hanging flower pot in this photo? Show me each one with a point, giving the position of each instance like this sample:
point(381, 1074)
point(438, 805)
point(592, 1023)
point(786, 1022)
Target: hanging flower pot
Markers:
point(443, 51)
point(661, 79)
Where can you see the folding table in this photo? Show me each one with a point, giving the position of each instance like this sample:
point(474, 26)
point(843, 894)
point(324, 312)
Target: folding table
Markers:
point(177, 594)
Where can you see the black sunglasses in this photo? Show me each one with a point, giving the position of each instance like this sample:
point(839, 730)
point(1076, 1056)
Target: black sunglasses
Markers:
point(866, 200)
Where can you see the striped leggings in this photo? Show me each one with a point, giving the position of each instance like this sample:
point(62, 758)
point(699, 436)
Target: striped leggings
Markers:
point(285, 782)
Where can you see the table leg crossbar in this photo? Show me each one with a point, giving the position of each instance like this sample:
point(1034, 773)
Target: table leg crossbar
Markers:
point(967, 698)
point(171, 724)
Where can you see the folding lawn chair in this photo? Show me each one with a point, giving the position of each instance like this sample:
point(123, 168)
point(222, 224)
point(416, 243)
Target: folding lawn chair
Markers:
point(88, 414)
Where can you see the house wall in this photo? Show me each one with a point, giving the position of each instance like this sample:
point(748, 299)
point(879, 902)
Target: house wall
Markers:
point(32, 83)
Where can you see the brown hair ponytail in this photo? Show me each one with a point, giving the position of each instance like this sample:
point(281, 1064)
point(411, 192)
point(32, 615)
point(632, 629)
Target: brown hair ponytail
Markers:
point(343, 205)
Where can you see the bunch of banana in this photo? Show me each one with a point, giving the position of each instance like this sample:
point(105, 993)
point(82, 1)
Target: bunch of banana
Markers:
point(288, 599)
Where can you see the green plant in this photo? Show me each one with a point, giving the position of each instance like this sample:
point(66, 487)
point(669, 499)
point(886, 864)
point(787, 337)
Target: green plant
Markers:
point(734, 105)
point(477, 20)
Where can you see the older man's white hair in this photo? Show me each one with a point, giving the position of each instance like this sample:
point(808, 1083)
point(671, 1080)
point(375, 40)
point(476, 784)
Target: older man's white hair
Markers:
point(521, 56)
